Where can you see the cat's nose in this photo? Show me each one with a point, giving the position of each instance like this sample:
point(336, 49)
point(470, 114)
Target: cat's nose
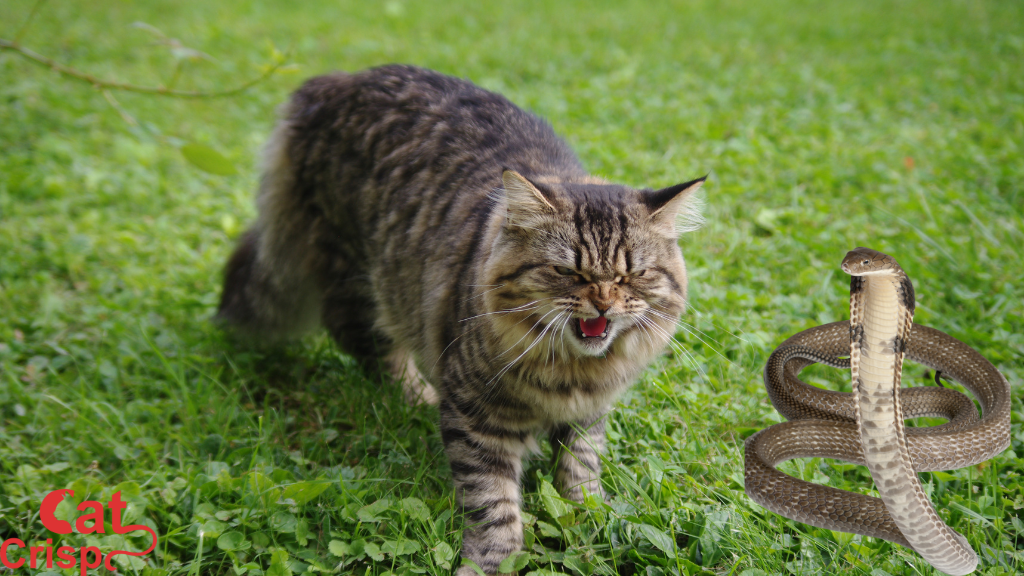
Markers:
point(602, 304)
point(602, 297)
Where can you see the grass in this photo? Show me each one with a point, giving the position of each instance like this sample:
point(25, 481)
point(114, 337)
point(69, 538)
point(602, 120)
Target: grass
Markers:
point(824, 127)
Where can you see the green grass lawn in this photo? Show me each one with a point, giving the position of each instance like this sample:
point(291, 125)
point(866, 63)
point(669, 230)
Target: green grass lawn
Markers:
point(824, 126)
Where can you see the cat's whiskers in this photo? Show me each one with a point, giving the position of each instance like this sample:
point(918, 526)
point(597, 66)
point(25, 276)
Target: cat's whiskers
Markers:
point(702, 313)
point(508, 311)
point(561, 331)
point(693, 331)
point(661, 314)
point(644, 331)
point(528, 332)
point(531, 346)
point(529, 306)
point(676, 345)
point(495, 287)
point(646, 324)
point(550, 355)
point(561, 337)
point(454, 340)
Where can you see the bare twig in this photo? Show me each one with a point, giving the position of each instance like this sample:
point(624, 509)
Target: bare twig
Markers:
point(110, 85)
point(117, 106)
point(28, 21)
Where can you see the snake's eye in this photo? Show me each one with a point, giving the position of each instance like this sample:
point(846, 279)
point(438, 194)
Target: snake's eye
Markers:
point(866, 262)
point(565, 271)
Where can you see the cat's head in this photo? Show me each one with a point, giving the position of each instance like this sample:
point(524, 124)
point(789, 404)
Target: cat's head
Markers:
point(588, 269)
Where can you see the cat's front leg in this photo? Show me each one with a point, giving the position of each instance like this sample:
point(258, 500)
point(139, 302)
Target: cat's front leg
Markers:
point(486, 462)
point(576, 449)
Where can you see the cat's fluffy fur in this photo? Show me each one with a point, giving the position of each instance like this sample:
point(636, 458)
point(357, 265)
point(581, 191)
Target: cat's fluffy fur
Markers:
point(429, 223)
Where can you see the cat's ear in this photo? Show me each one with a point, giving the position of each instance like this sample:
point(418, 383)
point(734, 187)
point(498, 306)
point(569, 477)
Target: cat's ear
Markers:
point(676, 209)
point(525, 202)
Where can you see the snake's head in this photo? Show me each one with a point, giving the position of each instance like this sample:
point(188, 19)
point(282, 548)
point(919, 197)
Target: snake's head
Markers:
point(868, 262)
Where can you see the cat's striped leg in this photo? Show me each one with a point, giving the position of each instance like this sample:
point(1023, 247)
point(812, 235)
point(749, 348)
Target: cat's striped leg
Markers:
point(486, 463)
point(576, 448)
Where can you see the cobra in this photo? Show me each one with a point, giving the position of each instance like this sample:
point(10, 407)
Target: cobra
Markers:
point(866, 427)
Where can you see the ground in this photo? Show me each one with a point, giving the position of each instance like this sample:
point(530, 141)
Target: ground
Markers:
point(822, 126)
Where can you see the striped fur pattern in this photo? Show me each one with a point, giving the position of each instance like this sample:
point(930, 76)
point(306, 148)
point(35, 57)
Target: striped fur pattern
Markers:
point(438, 230)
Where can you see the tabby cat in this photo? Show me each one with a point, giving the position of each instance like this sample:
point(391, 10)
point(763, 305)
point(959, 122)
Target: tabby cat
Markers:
point(435, 227)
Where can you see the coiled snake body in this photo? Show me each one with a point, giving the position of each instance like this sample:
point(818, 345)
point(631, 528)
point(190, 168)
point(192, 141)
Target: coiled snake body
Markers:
point(866, 427)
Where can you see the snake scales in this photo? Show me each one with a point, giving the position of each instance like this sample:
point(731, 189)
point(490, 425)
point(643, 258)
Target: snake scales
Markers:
point(866, 427)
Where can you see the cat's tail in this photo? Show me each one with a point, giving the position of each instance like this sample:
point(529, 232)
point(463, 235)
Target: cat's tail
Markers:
point(270, 292)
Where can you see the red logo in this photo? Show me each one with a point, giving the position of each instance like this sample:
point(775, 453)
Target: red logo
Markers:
point(66, 554)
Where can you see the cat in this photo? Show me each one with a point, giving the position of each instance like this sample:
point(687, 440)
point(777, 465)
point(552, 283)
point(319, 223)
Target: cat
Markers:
point(437, 229)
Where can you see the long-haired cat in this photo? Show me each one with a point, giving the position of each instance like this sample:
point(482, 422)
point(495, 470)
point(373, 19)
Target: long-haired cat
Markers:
point(438, 228)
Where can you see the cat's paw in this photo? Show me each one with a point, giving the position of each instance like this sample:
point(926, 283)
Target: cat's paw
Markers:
point(470, 570)
point(417, 390)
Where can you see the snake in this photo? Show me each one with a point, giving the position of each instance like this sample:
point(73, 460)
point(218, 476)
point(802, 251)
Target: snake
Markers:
point(866, 427)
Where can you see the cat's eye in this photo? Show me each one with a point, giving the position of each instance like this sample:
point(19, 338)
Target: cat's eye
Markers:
point(628, 277)
point(565, 271)
point(634, 275)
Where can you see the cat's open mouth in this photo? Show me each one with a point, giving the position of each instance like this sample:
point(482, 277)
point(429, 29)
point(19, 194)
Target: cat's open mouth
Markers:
point(593, 328)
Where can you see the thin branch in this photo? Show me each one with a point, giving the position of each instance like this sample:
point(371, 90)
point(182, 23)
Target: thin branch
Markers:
point(109, 85)
point(117, 106)
point(31, 15)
